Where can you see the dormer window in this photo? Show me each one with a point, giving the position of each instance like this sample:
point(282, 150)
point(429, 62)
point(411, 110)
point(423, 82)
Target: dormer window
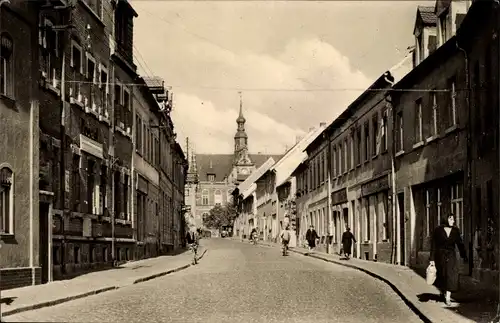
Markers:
point(443, 24)
point(211, 177)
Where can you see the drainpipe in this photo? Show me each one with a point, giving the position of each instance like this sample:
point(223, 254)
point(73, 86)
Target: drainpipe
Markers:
point(469, 148)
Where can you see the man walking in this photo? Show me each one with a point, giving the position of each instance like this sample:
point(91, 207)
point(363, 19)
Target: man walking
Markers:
point(347, 239)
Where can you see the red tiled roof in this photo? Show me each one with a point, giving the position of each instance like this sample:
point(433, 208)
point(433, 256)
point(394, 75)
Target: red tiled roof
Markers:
point(221, 164)
point(427, 15)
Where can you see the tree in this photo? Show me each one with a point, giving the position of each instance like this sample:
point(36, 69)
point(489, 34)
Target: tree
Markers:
point(220, 216)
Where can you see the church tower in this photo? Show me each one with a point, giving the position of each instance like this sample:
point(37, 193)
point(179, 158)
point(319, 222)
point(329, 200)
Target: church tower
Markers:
point(241, 137)
point(243, 165)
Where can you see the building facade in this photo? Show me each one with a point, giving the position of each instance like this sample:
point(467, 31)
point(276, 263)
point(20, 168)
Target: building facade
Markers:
point(23, 224)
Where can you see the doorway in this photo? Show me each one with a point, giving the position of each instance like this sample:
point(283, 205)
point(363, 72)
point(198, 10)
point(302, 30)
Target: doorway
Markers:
point(44, 242)
point(401, 214)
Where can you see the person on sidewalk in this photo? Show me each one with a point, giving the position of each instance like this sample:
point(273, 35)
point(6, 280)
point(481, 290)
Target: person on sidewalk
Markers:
point(311, 237)
point(347, 239)
point(444, 239)
point(285, 239)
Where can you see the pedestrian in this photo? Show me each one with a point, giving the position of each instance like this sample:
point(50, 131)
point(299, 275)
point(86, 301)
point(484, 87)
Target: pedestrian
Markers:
point(444, 239)
point(285, 239)
point(311, 237)
point(347, 239)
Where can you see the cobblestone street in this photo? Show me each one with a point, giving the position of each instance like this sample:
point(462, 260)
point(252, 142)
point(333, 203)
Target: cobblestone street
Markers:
point(238, 282)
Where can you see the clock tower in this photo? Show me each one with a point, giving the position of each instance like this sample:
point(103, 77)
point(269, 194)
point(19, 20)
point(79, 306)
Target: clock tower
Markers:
point(242, 162)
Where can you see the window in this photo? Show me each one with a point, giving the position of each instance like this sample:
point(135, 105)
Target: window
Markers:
point(49, 43)
point(384, 137)
point(104, 90)
point(400, 137)
point(352, 151)
point(76, 182)
point(117, 186)
point(434, 113)
point(457, 204)
point(453, 108)
point(367, 220)
point(211, 177)
point(427, 213)
point(334, 160)
point(91, 68)
point(385, 216)
point(138, 134)
point(6, 66)
point(419, 134)
point(367, 141)
point(340, 161)
point(91, 188)
point(218, 197)
point(359, 146)
point(346, 157)
point(375, 138)
point(126, 198)
point(6, 201)
point(204, 197)
point(102, 189)
point(76, 58)
point(204, 216)
point(443, 23)
point(76, 255)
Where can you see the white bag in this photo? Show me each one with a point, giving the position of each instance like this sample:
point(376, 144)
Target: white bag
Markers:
point(431, 274)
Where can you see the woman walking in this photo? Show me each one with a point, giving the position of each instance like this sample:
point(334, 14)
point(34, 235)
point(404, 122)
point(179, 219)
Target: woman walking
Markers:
point(311, 237)
point(347, 239)
point(443, 256)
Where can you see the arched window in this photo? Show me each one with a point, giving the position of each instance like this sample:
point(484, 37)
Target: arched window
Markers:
point(204, 216)
point(204, 197)
point(218, 197)
point(6, 201)
point(6, 57)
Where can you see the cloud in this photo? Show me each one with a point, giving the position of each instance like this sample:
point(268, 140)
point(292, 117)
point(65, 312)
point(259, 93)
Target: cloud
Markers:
point(205, 76)
point(212, 130)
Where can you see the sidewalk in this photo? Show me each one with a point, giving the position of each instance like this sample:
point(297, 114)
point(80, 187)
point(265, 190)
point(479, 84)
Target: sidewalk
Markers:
point(57, 292)
point(475, 305)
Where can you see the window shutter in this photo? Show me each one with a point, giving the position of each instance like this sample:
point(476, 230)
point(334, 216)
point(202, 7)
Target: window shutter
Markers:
point(432, 44)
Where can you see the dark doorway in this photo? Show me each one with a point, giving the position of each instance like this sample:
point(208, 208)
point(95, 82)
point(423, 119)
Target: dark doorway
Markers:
point(44, 241)
point(401, 214)
point(346, 218)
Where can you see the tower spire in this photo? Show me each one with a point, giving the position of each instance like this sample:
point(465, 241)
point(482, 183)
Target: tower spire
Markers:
point(241, 106)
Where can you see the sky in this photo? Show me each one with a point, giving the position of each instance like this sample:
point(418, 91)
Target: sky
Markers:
point(296, 63)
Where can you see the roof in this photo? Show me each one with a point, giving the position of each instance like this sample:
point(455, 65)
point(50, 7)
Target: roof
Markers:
point(221, 164)
point(244, 187)
point(427, 15)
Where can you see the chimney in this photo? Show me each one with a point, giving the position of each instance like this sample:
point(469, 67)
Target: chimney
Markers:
point(322, 124)
point(298, 139)
point(311, 129)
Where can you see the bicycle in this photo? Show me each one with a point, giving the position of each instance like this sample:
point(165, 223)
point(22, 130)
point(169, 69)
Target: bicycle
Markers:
point(194, 249)
point(284, 247)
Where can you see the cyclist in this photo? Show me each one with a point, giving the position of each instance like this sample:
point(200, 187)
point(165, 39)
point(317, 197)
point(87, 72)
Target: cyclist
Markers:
point(285, 239)
point(253, 236)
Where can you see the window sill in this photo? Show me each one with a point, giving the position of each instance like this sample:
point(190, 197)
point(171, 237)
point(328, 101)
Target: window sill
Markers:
point(399, 153)
point(374, 156)
point(74, 101)
point(432, 138)
point(51, 88)
point(104, 119)
point(451, 129)
point(6, 235)
point(418, 144)
point(385, 152)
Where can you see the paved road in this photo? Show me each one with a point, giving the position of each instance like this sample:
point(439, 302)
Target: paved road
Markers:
point(238, 282)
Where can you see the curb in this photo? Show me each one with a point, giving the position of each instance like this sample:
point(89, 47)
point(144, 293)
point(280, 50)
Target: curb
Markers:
point(94, 292)
point(405, 299)
point(57, 301)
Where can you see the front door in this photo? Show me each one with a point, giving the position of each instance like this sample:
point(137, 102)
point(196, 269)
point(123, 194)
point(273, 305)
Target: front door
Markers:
point(44, 241)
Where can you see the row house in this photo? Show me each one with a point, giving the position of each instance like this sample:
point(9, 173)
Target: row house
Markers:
point(245, 199)
point(69, 114)
point(145, 168)
point(478, 37)
point(20, 216)
point(179, 173)
point(430, 146)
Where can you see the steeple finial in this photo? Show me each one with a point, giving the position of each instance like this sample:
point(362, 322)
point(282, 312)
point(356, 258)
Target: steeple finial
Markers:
point(241, 118)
